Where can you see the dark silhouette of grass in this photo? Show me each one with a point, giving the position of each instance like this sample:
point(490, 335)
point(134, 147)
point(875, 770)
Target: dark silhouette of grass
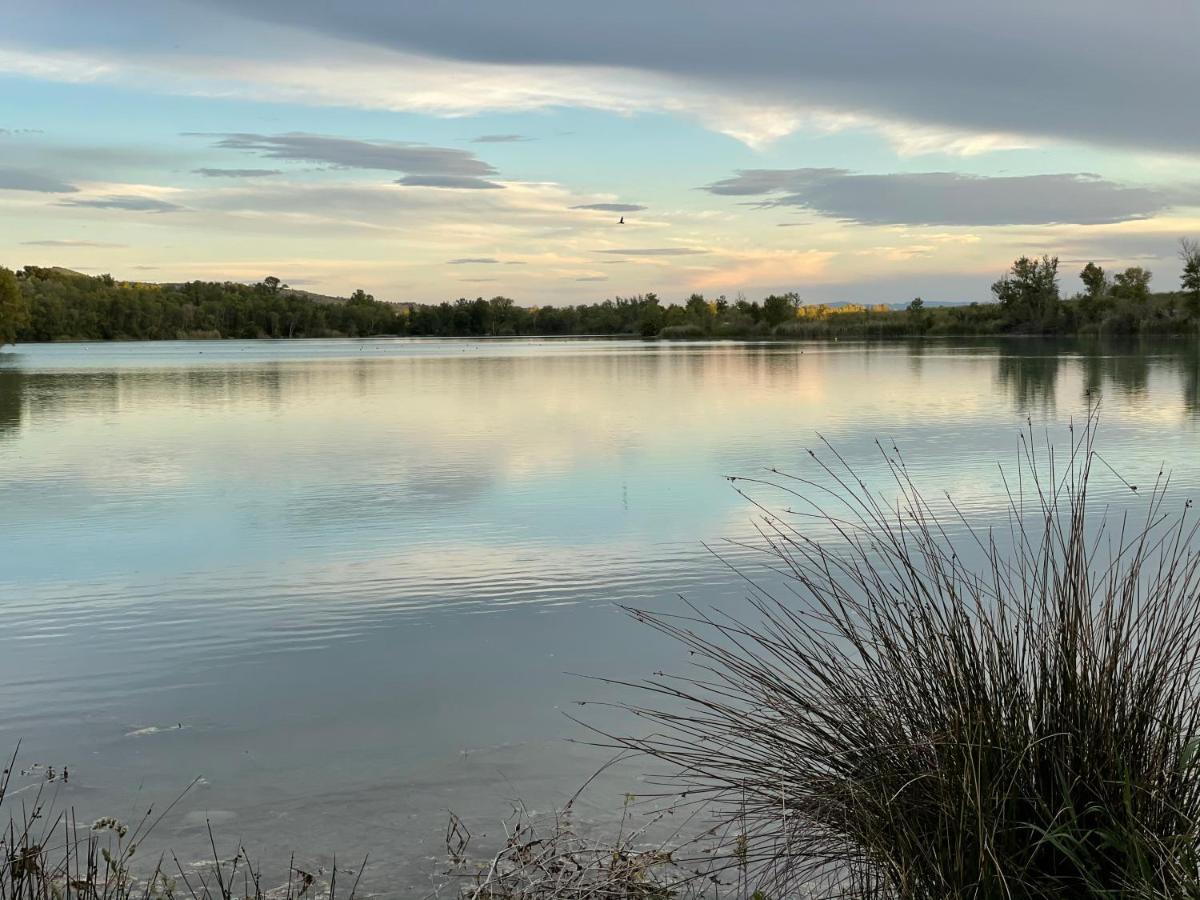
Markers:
point(49, 855)
point(941, 710)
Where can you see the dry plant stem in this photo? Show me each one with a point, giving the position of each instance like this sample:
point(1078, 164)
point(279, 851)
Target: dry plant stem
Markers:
point(47, 855)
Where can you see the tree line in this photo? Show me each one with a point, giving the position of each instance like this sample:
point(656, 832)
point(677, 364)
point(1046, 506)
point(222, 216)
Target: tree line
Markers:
point(42, 304)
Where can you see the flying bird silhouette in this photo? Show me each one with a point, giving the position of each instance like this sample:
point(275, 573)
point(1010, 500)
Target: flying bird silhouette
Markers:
point(622, 222)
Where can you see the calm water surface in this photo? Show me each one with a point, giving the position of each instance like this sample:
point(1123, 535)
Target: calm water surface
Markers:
point(344, 581)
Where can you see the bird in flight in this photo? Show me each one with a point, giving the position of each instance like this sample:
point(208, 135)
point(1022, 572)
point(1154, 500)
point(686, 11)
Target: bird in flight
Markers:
point(622, 222)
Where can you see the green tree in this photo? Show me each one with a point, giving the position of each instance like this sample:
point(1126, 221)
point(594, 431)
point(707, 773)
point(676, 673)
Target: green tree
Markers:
point(780, 307)
point(500, 315)
point(1133, 284)
point(1095, 290)
point(698, 312)
point(14, 308)
point(1189, 255)
point(1095, 281)
point(650, 316)
point(918, 315)
point(1028, 293)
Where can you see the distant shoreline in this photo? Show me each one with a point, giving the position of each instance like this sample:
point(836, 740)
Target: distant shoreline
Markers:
point(58, 305)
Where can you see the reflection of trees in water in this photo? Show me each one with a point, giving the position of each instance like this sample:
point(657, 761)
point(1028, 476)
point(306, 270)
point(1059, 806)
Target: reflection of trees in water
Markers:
point(916, 357)
point(1126, 368)
point(12, 401)
point(27, 397)
point(1129, 373)
point(1121, 369)
point(1031, 379)
point(1188, 363)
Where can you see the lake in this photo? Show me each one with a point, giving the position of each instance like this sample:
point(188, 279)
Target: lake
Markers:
point(352, 584)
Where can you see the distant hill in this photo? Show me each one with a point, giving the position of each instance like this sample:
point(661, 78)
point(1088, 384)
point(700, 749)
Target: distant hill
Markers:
point(300, 293)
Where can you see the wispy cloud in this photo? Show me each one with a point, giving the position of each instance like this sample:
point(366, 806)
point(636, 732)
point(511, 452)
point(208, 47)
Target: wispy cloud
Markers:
point(949, 198)
point(236, 173)
point(500, 139)
point(404, 82)
point(611, 207)
point(450, 182)
point(470, 260)
point(390, 156)
point(129, 202)
point(24, 180)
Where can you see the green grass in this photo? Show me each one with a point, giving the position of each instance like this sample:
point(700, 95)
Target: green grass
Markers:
point(933, 710)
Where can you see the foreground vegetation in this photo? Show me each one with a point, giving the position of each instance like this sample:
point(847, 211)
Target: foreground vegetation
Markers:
point(932, 709)
point(46, 854)
point(39, 304)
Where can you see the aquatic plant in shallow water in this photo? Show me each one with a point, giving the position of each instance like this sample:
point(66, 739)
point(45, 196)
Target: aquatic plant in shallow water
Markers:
point(46, 854)
point(931, 707)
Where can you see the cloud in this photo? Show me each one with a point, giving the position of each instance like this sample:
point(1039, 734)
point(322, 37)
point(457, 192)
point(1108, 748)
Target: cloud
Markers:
point(70, 243)
point(469, 260)
point(478, 280)
point(500, 139)
point(593, 278)
point(462, 222)
point(947, 198)
point(22, 180)
point(236, 173)
point(655, 251)
point(130, 202)
point(978, 67)
point(611, 207)
point(390, 156)
point(364, 77)
point(451, 182)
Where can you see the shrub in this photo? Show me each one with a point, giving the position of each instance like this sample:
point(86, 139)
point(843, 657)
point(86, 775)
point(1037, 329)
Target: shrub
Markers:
point(942, 710)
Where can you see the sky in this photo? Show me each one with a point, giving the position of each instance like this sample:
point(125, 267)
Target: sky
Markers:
point(423, 151)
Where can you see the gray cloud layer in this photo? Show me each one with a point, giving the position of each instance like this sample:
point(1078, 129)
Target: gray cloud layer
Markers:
point(236, 173)
point(1121, 74)
point(23, 180)
point(125, 201)
point(470, 260)
point(390, 156)
point(453, 182)
point(611, 207)
point(945, 198)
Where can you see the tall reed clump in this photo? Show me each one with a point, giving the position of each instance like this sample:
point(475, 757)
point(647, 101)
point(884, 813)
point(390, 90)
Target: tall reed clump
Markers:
point(942, 710)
